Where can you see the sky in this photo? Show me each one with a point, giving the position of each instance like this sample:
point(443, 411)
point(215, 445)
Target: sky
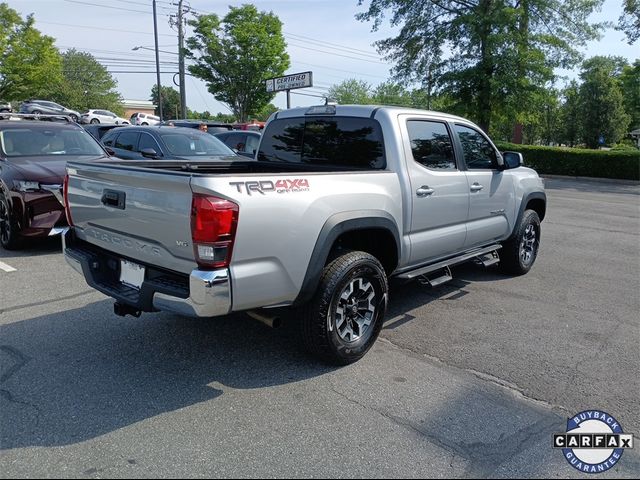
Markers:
point(322, 36)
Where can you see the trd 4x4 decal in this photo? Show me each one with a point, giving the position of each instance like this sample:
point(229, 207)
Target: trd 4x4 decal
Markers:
point(280, 186)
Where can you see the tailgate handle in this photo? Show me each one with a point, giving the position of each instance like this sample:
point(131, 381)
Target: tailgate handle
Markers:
point(114, 198)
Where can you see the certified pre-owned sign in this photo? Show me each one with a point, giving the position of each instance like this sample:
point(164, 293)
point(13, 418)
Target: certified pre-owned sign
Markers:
point(297, 80)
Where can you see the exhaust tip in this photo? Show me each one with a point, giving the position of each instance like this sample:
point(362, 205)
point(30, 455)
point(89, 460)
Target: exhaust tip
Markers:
point(268, 320)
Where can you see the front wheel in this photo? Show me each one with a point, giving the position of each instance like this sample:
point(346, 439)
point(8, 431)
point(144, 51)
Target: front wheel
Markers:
point(345, 316)
point(74, 118)
point(8, 229)
point(519, 253)
point(94, 121)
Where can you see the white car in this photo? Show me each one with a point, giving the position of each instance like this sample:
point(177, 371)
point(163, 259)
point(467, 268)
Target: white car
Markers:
point(102, 116)
point(144, 119)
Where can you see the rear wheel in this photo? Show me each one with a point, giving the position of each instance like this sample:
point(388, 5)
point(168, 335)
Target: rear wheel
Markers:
point(94, 121)
point(36, 112)
point(145, 124)
point(345, 316)
point(8, 228)
point(520, 252)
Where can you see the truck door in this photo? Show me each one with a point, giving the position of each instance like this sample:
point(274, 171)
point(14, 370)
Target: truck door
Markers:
point(492, 192)
point(439, 191)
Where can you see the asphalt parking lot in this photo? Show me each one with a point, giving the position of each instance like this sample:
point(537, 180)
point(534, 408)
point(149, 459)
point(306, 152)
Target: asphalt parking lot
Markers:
point(470, 379)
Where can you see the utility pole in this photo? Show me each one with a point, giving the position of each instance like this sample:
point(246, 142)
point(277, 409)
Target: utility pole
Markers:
point(179, 22)
point(155, 33)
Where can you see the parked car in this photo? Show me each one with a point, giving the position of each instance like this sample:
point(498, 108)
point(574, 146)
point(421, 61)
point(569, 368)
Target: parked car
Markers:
point(5, 107)
point(33, 155)
point(44, 106)
point(144, 119)
point(340, 200)
point(102, 116)
point(212, 127)
point(245, 142)
point(99, 130)
point(173, 143)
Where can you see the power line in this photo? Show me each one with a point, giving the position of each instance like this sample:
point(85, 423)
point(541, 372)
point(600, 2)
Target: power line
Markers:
point(340, 70)
point(323, 43)
point(90, 27)
point(341, 55)
point(111, 7)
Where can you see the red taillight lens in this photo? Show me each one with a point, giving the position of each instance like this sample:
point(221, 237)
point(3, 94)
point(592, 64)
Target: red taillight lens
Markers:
point(213, 230)
point(65, 194)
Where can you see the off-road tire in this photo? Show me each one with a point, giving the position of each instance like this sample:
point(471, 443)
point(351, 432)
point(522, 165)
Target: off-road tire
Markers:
point(519, 253)
point(348, 279)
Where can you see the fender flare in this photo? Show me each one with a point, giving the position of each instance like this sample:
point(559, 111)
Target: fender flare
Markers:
point(523, 205)
point(335, 226)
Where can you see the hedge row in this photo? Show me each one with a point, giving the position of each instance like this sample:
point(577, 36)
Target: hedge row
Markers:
point(579, 162)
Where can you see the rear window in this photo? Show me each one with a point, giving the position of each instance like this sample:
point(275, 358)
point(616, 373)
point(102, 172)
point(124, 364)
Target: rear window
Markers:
point(341, 142)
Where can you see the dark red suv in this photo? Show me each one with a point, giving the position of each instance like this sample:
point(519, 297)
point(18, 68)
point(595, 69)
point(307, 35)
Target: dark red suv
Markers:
point(33, 156)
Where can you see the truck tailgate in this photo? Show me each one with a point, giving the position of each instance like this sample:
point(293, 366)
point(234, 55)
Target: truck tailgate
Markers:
point(142, 214)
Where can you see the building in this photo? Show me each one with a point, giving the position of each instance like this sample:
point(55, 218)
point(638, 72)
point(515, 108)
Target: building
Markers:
point(135, 106)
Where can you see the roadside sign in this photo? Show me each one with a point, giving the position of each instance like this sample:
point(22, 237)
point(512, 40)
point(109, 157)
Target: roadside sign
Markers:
point(290, 82)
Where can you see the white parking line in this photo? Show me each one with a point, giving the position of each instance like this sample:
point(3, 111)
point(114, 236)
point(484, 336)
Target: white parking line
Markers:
point(6, 268)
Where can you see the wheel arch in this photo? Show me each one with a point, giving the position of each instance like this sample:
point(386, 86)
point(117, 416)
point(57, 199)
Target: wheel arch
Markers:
point(536, 201)
point(372, 231)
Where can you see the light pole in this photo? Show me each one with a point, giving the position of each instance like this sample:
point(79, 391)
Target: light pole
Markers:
point(155, 34)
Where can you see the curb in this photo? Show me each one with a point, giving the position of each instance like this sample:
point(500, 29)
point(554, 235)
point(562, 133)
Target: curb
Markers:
point(593, 179)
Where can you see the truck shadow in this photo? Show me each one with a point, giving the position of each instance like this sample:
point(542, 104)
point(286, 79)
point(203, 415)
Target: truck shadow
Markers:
point(78, 374)
point(75, 375)
point(408, 295)
point(34, 247)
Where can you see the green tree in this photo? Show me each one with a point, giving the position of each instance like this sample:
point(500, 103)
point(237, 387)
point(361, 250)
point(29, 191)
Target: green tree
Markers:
point(630, 80)
point(30, 64)
point(265, 112)
point(498, 53)
point(389, 93)
point(86, 84)
point(571, 115)
point(601, 103)
point(170, 101)
point(629, 21)
point(236, 55)
point(351, 91)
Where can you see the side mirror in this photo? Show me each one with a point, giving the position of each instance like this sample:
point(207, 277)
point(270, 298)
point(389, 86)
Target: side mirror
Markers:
point(149, 153)
point(512, 159)
point(110, 151)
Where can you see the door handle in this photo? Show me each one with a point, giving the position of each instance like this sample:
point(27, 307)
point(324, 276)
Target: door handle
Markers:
point(424, 191)
point(476, 187)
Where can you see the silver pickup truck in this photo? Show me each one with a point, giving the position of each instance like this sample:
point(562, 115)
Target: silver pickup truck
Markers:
point(338, 200)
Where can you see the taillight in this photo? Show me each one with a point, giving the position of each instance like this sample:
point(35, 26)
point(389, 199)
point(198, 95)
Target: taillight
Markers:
point(213, 230)
point(65, 194)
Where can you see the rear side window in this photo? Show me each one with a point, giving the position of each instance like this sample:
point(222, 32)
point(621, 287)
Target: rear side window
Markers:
point(342, 142)
point(431, 144)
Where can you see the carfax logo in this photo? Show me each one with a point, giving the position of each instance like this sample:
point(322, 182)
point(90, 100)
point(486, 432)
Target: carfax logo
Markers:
point(594, 441)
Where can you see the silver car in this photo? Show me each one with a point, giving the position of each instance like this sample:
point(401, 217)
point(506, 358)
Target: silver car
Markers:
point(102, 116)
point(46, 107)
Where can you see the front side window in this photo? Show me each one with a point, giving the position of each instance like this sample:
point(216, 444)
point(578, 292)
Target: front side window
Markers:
point(127, 141)
point(479, 154)
point(147, 141)
point(431, 144)
point(338, 142)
